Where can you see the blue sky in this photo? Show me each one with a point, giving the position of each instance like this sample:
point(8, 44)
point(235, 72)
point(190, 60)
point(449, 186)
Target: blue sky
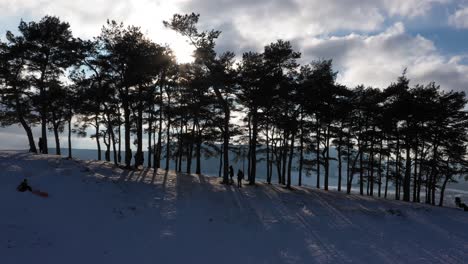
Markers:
point(370, 41)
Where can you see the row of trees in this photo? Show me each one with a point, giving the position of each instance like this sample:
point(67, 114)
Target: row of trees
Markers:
point(122, 86)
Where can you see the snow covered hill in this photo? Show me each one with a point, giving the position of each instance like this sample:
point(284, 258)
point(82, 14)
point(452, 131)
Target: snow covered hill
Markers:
point(96, 213)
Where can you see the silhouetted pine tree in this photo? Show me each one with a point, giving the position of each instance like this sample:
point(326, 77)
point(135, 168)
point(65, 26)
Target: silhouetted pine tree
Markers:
point(16, 105)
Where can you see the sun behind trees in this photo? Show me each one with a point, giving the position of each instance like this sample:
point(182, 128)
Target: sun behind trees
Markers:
point(122, 85)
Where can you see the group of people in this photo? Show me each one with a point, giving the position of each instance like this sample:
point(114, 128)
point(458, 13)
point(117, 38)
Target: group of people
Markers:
point(240, 176)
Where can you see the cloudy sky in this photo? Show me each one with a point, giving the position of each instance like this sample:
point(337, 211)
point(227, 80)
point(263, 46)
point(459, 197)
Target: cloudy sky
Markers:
point(370, 41)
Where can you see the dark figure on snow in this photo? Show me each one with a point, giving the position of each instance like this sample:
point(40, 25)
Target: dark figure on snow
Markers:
point(139, 158)
point(459, 203)
point(240, 176)
point(24, 186)
point(231, 174)
point(40, 143)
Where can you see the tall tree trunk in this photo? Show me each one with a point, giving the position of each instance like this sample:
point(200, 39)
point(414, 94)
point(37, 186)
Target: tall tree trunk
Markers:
point(158, 152)
point(387, 174)
point(119, 157)
point(155, 152)
point(253, 165)
point(249, 151)
point(428, 188)
point(107, 143)
point(139, 157)
point(112, 133)
point(227, 116)
point(176, 155)
point(43, 114)
point(168, 143)
point(220, 161)
point(43, 108)
point(317, 153)
point(284, 157)
point(415, 176)
point(150, 128)
point(420, 173)
point(407, 179)
point(190, 150)
point(277, 154)
point(353, 169)
point(57, 139)
point(127, 127)
point(198, 151)
point(190, 155)
point(55, 125)
point(340, 164)
point(380, 169)
point(181, 148)
point(270, 166)
point(158, 148)
point(26, 127)
point(301, 143)
point(45, 149)
point(278, 159)
point(242, 150)
point(433, 189)
point(157, 157)
point(368, 178)
point(362, 149)
point(96, 125)
point(434, 172)
point(442, 190)
point(69, 138)
point(371, 164)
point(348, 159)
point(327, 158)
point(361, 173)
point(291, 153)
point(397, 170)
point(268, 156)
point(150, 165)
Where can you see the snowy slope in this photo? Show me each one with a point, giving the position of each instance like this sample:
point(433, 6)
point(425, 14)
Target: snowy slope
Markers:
point(210, 167)
point(100, 214)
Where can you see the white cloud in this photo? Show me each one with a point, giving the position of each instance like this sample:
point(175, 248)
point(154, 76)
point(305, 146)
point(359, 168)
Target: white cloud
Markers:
point(460, 18)
point(410, 8)
point(379, 59)
point(264, 21)
point(246, 24)
point(87, 17)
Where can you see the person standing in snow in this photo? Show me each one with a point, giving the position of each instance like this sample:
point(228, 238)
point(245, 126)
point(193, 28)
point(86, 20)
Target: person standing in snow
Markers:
point(240, 176)
point(231, 174)
point(40, 143)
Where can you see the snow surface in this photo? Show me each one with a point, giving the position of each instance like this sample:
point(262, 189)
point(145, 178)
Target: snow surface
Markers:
point(98, 213)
